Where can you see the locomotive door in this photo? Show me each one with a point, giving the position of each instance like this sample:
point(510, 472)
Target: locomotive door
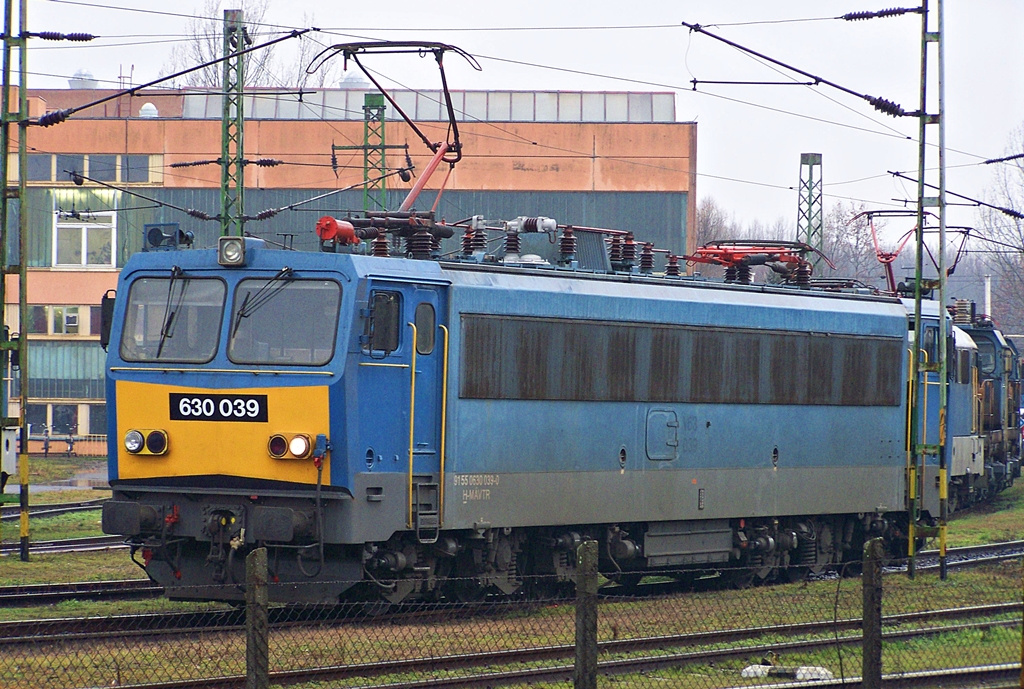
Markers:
point(402, 368)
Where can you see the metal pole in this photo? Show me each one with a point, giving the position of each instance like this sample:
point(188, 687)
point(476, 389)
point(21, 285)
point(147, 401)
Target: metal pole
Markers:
point(22, 350)
point(232, 177)
point(943, 326)
point(915, 461)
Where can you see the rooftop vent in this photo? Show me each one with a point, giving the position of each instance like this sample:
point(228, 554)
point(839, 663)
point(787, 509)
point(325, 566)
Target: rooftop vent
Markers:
point(148, 110)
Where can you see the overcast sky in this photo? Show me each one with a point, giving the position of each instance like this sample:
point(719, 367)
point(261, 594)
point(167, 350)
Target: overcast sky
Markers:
point(749, 137)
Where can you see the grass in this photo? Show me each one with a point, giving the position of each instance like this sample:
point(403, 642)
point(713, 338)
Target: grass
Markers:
point(66, 568)
point(993, 522)
point(124, 660)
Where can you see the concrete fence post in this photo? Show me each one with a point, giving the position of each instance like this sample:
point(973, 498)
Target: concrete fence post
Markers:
point(585, 671)
point(257, 626)
point(871, 673)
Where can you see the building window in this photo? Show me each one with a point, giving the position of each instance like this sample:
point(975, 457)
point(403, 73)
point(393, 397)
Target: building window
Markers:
point(103, 168)
point(87, 241)
point(68, 164)
point(35, 415)
point(65, 418)
point(135, 168)
point(55, 320)
point(65, 320)
point(97, 419)
point(40, 167)
point(38, 320)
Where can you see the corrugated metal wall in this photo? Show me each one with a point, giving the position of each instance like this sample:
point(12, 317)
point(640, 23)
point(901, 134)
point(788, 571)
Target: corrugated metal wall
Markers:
point(65, 370)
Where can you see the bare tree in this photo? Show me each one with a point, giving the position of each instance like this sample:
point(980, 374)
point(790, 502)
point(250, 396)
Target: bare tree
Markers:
point(205, 43)
point(713, 223)
point(294, 74)
point(848, 243)
point(1007, 256)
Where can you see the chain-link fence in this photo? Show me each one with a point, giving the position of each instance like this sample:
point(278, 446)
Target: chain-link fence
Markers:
point(677, 630)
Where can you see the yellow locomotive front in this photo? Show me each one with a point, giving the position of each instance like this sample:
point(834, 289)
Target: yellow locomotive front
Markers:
point(220, 377)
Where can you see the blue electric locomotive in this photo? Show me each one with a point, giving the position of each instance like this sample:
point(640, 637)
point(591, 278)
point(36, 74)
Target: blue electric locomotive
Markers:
point(404, 428)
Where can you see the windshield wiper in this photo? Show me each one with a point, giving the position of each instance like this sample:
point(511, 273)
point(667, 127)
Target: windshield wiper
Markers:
point(167, 329)
point(254, 301)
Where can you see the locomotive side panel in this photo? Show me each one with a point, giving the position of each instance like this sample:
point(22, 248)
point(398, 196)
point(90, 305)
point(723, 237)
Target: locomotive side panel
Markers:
point(743, 421)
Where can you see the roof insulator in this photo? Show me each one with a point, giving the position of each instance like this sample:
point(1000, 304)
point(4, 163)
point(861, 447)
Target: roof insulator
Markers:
point(892, 12)
point(887, 106)
point(55, 117)
point(57, 36)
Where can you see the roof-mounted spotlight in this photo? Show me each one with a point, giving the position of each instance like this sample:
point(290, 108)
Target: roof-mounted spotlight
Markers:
point(231, 251)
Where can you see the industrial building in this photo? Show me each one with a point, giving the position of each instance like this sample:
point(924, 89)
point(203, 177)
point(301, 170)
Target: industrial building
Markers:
point(606, 159)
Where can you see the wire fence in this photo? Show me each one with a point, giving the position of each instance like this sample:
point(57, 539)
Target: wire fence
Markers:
point(670, 631)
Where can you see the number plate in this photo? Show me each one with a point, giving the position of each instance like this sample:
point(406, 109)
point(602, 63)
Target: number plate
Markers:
point(199, 407)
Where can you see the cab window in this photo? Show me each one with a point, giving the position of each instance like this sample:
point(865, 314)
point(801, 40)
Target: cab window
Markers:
point(173, 319)
point(284, 321)
point(425, 326)
point(383, 324)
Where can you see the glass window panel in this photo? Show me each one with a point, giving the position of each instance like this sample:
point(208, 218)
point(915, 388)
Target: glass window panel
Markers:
point(640, 108)
point(476, 106)
point(69, 245)
point(522, 107)
point(40, 168)
point(569, 105)
point(664, 107)
point(284, 321)
point(35, 414)
point(98, 246)
point(425, 327)
point(95, 316)
point(65, 320)
point(135, 168)
point(264, 107)
point(97, 419)
point(37, 320)
point(616, 107)
point(173, 319)
point(593, 107)
point(65, 419)
point(67, 163)
point(103, 167)
point(547, 107)
point(428, 106)
point(499, 106)
point(382, 327)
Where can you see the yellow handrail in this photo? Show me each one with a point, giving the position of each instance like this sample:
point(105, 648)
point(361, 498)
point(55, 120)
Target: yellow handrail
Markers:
point(412, 412)
point(444, 427)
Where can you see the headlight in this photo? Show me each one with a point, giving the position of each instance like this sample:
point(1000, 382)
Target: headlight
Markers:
point(156, 442)
point(299, 446)
point(231, 251)
point(133, 441)
point(277, 446)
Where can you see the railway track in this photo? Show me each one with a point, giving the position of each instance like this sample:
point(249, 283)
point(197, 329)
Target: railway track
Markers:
point(631, 655)
point(48, 594)
point(13, 512)
point(70, 545)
